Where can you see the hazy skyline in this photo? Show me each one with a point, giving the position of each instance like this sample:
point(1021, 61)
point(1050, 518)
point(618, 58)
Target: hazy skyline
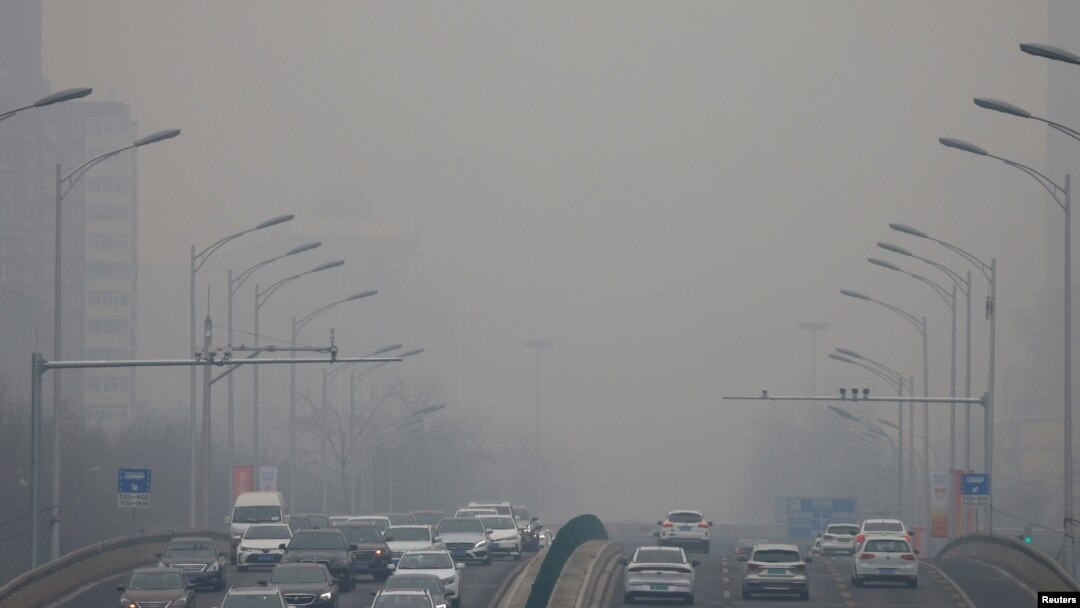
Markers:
point(661, 189)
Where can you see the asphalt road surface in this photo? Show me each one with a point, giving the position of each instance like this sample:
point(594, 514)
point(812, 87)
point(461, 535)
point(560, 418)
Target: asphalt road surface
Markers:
point(479, 584)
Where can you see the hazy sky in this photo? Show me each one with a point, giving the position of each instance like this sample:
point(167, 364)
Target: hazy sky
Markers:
point(663, 189)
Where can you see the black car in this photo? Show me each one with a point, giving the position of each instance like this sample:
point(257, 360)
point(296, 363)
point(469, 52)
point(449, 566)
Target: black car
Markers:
point(372, 554)
point(309, 521)
point(198, 558)
point(326, 547)
point(308, 585)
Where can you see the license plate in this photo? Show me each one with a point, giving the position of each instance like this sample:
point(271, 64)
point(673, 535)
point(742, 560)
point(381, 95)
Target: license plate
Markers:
point(655, 587)
point(886, 570)
point(684, 528)
point(777, 571)
point(266, 558)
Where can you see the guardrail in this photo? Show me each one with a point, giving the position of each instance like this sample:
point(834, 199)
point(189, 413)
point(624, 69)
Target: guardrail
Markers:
point(1023, 561)
point(56, 579)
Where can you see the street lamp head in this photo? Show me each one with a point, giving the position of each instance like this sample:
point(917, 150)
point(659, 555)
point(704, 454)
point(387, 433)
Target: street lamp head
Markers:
point(840, 358)
point(328, 266)
point(65, 95)
point(409, 353)
point(304, 247)
point(362, 294)
point(1001, 106)
point(844, 413)
point(849, 353)
point(156, 137)
point(385, 349)
point(894, 248)
point(959, 144)
point(884, 264)
point(1050, 52)
point(274, 221)
point(429, 409)
point(855, 294)
point(909, 230)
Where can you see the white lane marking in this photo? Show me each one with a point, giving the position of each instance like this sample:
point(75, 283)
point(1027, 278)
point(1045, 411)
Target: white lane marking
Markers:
point(1005, 574)
point(727, 580)
point(724, 571)
point(727, 594)
point(959, 590)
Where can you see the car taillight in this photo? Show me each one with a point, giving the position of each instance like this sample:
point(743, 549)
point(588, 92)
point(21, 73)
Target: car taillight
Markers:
point(667, 524)
point(908, 556)
point(799, 568)
point(867, 556)
point(859, 539)
point(828, 537)
point(754, 567)
point(703, 524)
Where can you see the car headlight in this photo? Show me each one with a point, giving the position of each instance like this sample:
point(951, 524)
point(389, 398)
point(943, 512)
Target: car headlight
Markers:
point(161, 565)
point(180, 603)
point(213, 567)
point(448, 581)
point(378, 551)
point(480, 544)
point(126, 603)
point(326, 595)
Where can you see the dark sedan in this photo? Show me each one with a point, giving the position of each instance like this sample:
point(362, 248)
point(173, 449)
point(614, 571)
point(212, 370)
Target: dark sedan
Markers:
point(308, 585)
point(198, 558)
point(157, 586)
point(326, 547)
point(372, 554)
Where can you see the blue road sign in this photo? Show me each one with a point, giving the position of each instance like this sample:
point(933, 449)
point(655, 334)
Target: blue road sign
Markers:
point(133, 481)
point(808, 517)
point(974, 484)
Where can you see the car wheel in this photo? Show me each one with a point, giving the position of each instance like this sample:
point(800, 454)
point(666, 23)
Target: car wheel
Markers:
point(856, 581)
point(689, 600)
point(913, 583)
point(456, 602)
point(628, 598)
point(745, 594)
point(705, 547)
point(487, 560)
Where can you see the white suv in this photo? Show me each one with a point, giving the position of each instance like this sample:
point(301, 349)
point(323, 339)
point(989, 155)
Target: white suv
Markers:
point(685, 527)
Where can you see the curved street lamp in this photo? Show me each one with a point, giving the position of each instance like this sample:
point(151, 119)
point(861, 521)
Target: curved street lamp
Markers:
point(64, 184)
point(48, 100)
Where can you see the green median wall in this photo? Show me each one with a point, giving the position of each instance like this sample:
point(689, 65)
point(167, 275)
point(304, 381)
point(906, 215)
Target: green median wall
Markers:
point(578, 530)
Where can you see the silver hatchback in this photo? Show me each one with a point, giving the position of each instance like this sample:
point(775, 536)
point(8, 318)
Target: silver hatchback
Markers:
point(776, 569)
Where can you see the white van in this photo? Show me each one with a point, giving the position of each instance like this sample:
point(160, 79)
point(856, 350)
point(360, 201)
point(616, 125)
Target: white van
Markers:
point(254, 508)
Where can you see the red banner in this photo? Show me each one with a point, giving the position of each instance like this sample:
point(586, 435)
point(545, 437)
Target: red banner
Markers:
point(243, 480)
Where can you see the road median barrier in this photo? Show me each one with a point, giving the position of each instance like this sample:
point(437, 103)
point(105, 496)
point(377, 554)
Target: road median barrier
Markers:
point(1026, 563)
point(57, 579)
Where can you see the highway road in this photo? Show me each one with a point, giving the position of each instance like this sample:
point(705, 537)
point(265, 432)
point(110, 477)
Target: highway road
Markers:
point(479, 584)
point(718, 583)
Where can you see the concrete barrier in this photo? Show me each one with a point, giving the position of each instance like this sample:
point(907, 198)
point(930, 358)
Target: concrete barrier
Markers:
point(54, 580)
point(586, 576)
point(515, 590)
point(1020, 559)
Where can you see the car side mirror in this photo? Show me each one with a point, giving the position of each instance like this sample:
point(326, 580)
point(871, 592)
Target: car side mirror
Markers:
point(916, 552)
point(656, 535)
point(388, 539)
point(710, 524)
point(353, 547)
point(221, 554)
point(157, 555)
point(741, 558)
point(459, 566)
point(391, 567)
point(437, 539)
point(261, 584)
point(695, 563)
point(659, 523)
point(282, 546)
point(120, 588)
point(809, 560)
point(911, 533)
point(374, 593)
point(190, 589)
point(488, 531)
point(535, 519)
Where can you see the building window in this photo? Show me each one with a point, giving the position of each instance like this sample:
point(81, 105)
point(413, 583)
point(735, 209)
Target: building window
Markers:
point(108, 327)
point(106, 298)
point(105, 270)
point(107, 241)
point(106, 213)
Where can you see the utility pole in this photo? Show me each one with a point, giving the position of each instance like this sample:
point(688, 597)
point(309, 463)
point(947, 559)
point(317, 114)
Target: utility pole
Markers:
point(813, 327)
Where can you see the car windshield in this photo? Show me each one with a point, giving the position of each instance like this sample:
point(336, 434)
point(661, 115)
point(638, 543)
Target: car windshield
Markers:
point(887, 546)
point(497, 522)
point(883, 526)
point(254, 600)
point(156, 580)
point(658, 556)
point(361, 534)
point(453, 526)
point(256, 515)
point(402, 601)
point(379, 522)
point(430, 583)
point(428, 518)
point(318, 540)
point(298, 575)
point(846, 530)
point(475, 512)
point(398, 519)
point(408, 533)
point(299, 522)
point(191, 549)
point(267, 532)
point(521, 513)
point(685, 518)
point(426, 561)
point(776, 556)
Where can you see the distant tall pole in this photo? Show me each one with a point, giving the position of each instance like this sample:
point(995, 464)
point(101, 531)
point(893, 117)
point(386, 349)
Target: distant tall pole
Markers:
point(967, 383)
point(813, 327)
point(538, 345)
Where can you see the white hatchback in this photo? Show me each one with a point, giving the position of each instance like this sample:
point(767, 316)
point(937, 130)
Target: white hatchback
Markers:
point(659, 572)
point(684, 527)
point(885, 558)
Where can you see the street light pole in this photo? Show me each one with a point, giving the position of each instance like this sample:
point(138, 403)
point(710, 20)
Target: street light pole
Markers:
point(64, 184)
point(813, 327)
point(197, 262)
